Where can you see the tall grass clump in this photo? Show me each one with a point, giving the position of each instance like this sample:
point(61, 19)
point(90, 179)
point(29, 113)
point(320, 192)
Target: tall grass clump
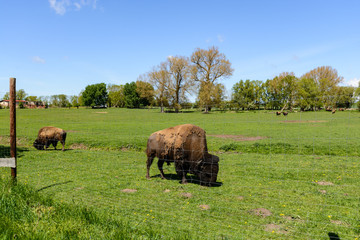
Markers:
point(27, 214)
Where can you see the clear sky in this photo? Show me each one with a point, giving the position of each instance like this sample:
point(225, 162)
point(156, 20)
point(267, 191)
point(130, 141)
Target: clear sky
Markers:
point(61, 46)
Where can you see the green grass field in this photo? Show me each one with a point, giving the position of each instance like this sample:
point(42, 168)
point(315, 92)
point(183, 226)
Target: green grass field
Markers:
point(302, 171)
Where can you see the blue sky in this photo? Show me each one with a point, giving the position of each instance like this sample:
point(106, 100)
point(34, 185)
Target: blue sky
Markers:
point(61, 46)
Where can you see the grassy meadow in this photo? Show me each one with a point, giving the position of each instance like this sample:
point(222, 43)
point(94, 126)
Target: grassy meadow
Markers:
point(280, 177)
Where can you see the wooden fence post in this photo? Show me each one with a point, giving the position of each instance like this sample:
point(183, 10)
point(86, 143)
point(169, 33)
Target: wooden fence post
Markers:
point(12, 103)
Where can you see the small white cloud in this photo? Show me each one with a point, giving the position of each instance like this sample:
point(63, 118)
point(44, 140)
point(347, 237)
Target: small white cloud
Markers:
point(59, 6)
point(38, 59)
point(221, 38)
point(352, 82)
point(62, 6)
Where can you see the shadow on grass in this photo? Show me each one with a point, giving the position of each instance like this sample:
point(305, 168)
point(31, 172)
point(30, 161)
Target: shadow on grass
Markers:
point(333, 236)
point(190, 178)
point(53, 185)
point(5, 151)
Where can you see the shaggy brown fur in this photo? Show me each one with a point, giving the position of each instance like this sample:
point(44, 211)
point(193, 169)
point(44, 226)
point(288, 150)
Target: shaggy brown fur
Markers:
point(186, 146)
point(50, 135)
point(285, 113)
point(333, 111)
point(278, 113)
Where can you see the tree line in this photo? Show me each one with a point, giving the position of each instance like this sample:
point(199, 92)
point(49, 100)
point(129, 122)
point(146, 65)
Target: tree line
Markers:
point(170, 83)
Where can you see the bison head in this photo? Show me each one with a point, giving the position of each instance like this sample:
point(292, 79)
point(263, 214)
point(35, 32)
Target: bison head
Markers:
point(38, 145)
point(209, 169)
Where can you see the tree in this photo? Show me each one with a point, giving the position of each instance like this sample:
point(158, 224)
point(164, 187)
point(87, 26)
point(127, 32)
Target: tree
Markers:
point(74, 100)
point(116, 95)
point(159, 78)
point(327, 79)
point(20, 95)
point(31, 98)
point(95, 95)
point(132, 99)
point(248, 94)
point(308, 94)
point(179, 80)
point(209, 66)
point(145, 91)
point(345, 97)
point(282, 90)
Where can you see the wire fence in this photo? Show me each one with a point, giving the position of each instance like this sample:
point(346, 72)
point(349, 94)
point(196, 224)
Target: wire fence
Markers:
point(278, 176)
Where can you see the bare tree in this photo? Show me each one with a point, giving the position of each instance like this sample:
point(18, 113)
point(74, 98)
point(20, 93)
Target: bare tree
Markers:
point(159, 78)
point(209, 66)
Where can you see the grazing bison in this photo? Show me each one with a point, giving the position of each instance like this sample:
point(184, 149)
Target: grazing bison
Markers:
point(50, 135)
point(278, 113)
point(185, 145)
point(333, 111)
point(285, 113)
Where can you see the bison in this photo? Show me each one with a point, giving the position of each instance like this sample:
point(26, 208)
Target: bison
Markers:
point(186, 146)
point(285, 113)
point(333, 111)
point(278, 113)
point(50, 135)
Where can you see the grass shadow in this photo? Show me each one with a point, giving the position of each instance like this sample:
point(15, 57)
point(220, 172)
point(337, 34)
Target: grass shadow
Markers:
point(333, 236)
point(190, 178)
point(5, 151)
point(53, 185)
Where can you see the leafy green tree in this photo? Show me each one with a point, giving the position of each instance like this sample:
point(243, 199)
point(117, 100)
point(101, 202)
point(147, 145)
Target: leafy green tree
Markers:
point(327, 80)
point(20, 95)
point(32, 98)
point(132, 98)
point(308, 93)
point(146, 92)
point(345, 97)
point(95, 95)
point(74, 100)
point(116, 95)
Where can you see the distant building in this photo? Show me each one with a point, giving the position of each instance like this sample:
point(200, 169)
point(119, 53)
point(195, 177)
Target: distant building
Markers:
point(27, 104)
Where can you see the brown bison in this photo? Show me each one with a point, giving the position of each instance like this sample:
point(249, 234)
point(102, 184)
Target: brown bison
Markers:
point(285, 113)
point(333, 111)
point(278, 113)
point(185, 145)
point(50, 135)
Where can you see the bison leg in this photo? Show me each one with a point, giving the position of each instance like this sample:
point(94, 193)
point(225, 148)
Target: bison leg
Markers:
point(54, 143)
point(63, 145)
point(148, 165)
point(160, 166)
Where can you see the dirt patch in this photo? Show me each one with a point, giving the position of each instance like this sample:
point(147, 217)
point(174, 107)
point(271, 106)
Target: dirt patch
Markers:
point(304, 121)
point(101, 112)
point(79, 188)
point(323, 183)
point(240, 198)
point(322, 191)
point(204, 207)
point(263, 212)
point(166, 190)
point(78, 146)
point(186, 195)
point(274, 228)
point(129, 190)
point(337, 222)
point(240, 138)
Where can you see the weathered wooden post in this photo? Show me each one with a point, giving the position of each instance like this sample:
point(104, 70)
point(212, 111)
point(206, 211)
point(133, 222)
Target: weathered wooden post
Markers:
point(12, 103)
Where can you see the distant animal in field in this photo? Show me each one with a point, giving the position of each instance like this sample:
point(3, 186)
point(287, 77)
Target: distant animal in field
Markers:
point(333, 111)
point(341, 109)
point(285, 113)
point(48, 136)
point(278, 113)
point(328, 109)
point(186, 146)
